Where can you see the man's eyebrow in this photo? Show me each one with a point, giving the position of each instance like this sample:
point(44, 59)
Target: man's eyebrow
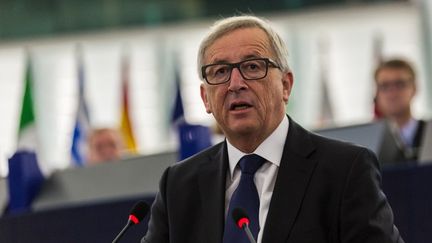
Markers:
point(251, 56)
point(219, 61)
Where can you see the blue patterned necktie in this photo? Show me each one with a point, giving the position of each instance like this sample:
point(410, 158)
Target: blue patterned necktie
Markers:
point(246, 197)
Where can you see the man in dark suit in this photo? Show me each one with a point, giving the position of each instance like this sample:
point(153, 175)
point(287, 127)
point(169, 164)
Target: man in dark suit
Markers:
point(295, 186)
point(396, 88)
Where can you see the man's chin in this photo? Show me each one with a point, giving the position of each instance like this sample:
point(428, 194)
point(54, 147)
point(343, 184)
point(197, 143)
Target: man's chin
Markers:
point(243, 128)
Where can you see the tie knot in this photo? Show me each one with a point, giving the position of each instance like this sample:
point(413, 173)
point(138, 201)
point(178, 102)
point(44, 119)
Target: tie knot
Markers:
point(250, 163)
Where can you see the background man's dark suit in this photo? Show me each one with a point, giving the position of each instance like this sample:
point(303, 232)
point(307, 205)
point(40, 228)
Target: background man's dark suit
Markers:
point(326, 191)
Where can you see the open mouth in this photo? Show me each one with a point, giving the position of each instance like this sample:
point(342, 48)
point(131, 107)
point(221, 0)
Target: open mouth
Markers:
point(239, 106)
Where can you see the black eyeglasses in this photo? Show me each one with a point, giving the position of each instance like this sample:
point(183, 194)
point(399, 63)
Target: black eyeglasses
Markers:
point(399, 84)
point(251, 69)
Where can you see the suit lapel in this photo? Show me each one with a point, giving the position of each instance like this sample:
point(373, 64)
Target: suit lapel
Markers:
point(291, 184)
point(212, 179)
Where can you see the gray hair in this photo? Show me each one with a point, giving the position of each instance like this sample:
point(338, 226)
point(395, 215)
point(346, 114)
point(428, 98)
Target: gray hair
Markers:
point(227, 25)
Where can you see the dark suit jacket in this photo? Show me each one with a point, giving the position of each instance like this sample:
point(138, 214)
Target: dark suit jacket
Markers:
point(325, 191)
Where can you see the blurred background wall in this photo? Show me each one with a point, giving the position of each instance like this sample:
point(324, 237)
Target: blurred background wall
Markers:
point(334, 47)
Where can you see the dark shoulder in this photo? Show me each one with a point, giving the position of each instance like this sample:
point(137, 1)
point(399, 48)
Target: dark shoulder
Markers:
point(342, 162)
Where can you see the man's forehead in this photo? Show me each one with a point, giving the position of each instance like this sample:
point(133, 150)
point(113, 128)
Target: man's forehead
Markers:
point(392, 73)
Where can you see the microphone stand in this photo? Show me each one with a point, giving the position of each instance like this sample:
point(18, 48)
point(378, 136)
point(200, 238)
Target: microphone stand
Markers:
point(249, 233)
point(129, 223)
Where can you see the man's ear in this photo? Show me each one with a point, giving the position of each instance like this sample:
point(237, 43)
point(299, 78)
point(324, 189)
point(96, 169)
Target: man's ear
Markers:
point(205, 99)
point(287, 82)
point(414, 88)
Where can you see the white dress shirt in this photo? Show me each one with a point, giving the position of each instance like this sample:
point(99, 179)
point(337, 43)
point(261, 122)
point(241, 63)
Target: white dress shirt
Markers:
point(408, 132)
point(265, 177)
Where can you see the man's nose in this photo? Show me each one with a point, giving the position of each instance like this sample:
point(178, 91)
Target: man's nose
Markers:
point(237, 82)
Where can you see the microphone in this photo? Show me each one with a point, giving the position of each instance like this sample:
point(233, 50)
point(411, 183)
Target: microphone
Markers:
point(241, 219)
point(138, 212)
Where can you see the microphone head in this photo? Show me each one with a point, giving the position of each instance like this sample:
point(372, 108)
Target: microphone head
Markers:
point(240, 217)
point(138, 212)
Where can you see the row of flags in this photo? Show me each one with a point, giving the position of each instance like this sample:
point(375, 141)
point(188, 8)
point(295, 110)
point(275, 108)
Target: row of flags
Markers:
point(26, 175)
point(27, 137)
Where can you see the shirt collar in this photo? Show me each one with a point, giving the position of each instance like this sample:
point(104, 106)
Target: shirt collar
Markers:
point(271, 149)
point(408, 131)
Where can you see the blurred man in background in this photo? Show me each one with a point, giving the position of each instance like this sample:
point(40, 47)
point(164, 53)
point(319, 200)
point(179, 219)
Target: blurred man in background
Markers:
point(104, 144)
point(395, 89)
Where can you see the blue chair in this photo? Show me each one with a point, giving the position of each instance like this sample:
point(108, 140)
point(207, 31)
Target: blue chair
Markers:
point(24, 181)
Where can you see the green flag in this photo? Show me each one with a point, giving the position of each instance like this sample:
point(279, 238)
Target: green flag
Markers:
point(27, 128)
